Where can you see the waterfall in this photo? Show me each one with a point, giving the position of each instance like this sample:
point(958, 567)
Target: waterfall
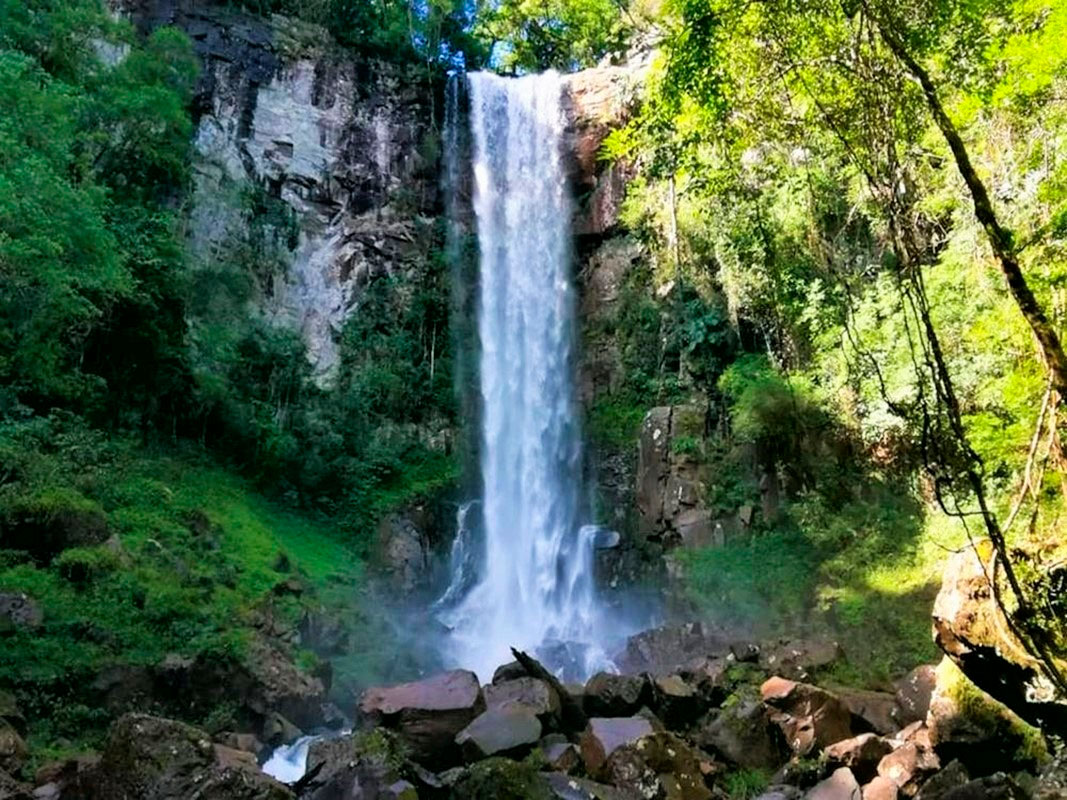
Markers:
point(535, 590)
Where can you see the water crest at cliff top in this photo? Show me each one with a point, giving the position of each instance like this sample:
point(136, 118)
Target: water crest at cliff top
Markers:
point(536, 583)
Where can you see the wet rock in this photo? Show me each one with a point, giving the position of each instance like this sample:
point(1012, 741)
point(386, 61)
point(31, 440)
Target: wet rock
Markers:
point(861, 754)
point(610, 695)
point(247, 742)
point(509, 672)
point(567, 787)
point(18, 610)
point(427, 714)
point(511, 731)
point(810, 718)
point(877, 712)
point(913, 693)
point(951, 777)
point(529, 693)
point(403, 552)
point(880, 788)
point(562, 757)
point(277, 730)
point(841, 785)
point(743, 734)
point(360, 765)
point(13, 750)
point(659, 765)
point(603, 736)
point(909, 766)
point(151, 757)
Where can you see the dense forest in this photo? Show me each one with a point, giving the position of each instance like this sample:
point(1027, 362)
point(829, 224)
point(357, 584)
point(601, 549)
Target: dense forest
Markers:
point(850, 228)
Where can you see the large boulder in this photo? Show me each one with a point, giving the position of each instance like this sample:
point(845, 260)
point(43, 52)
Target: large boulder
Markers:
point(861, 754)
point(909, 766)
point(668, 649)
point(797, 658)
point(810, 718)
point(677, 702)
point(969, 627)
point(841, 785)
point(427, 714)
point(603, 736)
point(369, 764)
point(150, 757)
point(743, 734)
point(524, 692)
point(660, 766)
point(913, 693)
point(876, 712)
point(510, 731)
point(403, 552)
point(610, 695)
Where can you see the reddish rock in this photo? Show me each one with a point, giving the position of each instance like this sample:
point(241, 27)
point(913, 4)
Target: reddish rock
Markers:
point(529, 693)
point(603, 736)
point(909, 766)
point(809, 717)
point(861, 754)
point(510, 731)
point(427, 714)
point(841, 785)
point(880, 788)
point(913, 693)
point(609, 695)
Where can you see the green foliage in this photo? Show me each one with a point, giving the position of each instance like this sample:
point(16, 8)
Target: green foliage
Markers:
point(743, 784)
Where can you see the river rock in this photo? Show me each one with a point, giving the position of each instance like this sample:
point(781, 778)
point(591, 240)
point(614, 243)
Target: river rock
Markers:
point(151, 757)
point(369, 764)
point(909, 766)
point(503, 731)
point(677, 702)
point(529, 693)
point(669, 648)
point(861, 754)
point(841, 785)
point(562, 757)
point(796, 659)
point(602, 737)
point(611, 695)
point(660, 765)
point(743, 734)
point(427, 714)
point(877, 712)
point(809, 717)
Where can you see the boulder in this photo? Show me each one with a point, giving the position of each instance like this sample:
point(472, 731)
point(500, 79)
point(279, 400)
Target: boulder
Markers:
point(427, 714)
point(941, 783)
point(909, 766)
point(969, 627)
point(248, 742)
point(151, 757)
point(841, 785)
point(11, 713)
point(501, 779)
point(861, 754)
point(610, 695)
point(403, 552)
point(677, 702)
point(876, 712)
point(277, 730)
point(659, 765)
point(967, 724)
point(743, 734)
point(369, 764)
point(669, 648)
point(509, 731)
point(567, 787)
point(529, 693)
point(509, 672)
point(913, 693)
point(993, 787)
point(603, 736)
point(880, 788)
point(13, 751)
point(11, 789)
point(50, 522)
point(809, 717)
point(797, 659)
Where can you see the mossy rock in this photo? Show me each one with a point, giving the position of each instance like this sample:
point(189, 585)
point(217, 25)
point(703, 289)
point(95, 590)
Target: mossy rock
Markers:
point(502, 779)
point(49, 521)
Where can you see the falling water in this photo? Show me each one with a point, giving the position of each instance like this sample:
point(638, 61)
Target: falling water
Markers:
point(536, 585)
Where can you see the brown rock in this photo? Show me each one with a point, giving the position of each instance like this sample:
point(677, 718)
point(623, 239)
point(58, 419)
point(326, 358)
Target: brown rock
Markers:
point(610, 695)
point(427, 714)
point(841, 785)
point(861, 754)
point(563, 757)
point(908, 767)
point(880, 788)
point(529, 693)
point(240, 741)
point(509, 731)
point(602, 737)
point(913, 693)
point(873, 711)
point(809, 717)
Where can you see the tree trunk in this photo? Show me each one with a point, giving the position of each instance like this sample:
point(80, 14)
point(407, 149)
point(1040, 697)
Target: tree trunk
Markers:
point(999, 238)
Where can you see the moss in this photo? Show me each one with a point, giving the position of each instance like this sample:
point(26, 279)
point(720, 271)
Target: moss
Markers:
point(743, 784)
point(501, 779)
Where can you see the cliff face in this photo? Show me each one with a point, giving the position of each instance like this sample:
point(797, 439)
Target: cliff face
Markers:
point(341, 153)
